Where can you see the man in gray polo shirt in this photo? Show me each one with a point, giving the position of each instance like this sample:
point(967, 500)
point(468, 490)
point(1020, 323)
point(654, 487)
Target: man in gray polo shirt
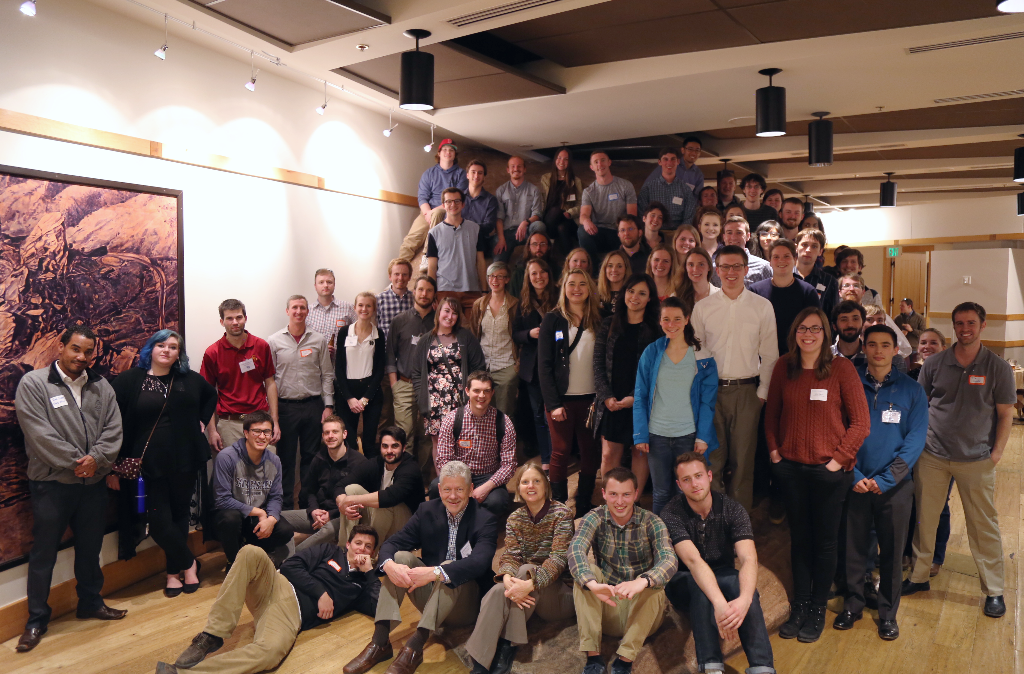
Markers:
point(519, 210)
point(455, 253)
point(971, 395)
point(604, 201)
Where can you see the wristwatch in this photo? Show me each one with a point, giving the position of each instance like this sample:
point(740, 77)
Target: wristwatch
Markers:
point(648, 579)
point(437, 572)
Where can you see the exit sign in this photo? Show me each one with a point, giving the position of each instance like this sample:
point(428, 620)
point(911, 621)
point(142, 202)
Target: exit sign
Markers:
point(893, 251)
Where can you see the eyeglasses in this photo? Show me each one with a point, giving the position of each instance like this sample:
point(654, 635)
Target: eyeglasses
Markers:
point(731, 267)
point(813, 329)
point(503, 277)
point(259, 431)
point(448, 202)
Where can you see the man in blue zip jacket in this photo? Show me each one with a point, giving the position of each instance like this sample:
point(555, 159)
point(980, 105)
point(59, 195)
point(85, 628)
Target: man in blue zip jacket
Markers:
point(883, 488)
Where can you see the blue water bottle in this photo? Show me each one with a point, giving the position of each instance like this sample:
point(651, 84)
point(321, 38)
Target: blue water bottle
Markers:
point(140, 495)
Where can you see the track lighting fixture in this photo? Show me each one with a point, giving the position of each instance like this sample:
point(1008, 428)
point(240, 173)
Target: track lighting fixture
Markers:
point(28, 8)
point(1010, 6)
point(428, 148)
point(808, 206)
point(417, 86)
point(771, 107)
point(391, 127)
point(320, 109)
point(819, 141)
point(887, 195)
point(251, 84)
point(161, 53)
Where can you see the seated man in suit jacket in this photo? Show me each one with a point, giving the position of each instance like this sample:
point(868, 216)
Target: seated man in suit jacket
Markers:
point(458, 539)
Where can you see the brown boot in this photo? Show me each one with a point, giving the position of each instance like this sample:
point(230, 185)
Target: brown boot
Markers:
point(406, 662)
point(369, 657)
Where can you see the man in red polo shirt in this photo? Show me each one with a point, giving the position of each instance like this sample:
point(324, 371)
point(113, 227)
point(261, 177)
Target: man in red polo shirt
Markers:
point(242, 369)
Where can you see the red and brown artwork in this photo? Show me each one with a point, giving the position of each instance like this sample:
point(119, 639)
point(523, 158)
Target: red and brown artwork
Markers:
point(74, 252)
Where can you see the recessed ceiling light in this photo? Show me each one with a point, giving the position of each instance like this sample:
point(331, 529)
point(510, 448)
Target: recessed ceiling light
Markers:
point(1010, 6)
point(362, 47)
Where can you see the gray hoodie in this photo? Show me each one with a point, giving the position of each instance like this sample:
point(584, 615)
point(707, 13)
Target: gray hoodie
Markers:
point(58, 432)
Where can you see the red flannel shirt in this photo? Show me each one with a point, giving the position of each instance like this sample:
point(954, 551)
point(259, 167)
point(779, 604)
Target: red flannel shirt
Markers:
point(478, 448)
point(238, 392)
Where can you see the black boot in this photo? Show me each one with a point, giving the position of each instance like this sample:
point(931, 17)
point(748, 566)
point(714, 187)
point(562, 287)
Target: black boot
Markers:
point(585, 494)
point(797, 615)
point(813, 626)
point(560, 491)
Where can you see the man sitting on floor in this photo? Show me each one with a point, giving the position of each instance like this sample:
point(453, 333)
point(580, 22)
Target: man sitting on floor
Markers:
point(457, 539)
point(314, 586)
point(624, 594)
point(709, 529)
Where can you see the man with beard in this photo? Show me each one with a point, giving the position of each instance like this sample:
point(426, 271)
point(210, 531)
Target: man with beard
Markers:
point(520, 208)
point(708, 530)
point(538, 246)
point(848, 319)
point(633, 245)
point(790, 216)
point(851, 287)
point(385, 491)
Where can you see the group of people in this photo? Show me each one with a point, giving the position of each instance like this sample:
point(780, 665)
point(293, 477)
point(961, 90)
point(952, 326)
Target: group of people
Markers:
point(716, 368)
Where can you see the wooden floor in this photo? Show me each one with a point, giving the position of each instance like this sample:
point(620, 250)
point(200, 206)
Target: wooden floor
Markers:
point(941, 631)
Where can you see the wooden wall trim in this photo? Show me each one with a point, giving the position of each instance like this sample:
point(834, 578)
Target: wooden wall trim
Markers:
point(927, 242)
point(116, 576)
point(40, 127)
point(990, 317)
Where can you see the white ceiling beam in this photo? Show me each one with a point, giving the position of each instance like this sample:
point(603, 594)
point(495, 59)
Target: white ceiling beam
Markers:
point(877, 168)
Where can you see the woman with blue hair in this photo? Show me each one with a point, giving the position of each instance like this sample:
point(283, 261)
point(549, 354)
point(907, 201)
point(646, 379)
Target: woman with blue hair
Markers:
point(163, 406)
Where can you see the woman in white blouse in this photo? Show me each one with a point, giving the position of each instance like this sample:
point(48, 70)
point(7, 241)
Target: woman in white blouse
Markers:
point(491, 323)
point(358, 372)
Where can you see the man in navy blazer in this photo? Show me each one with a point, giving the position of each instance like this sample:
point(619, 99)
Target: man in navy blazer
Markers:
point(457, 538)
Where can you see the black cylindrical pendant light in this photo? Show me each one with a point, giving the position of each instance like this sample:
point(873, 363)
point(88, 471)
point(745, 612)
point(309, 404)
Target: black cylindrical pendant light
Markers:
point(808, 206)
point(771, 107)
point(887, 196)
point(1018, 165)
point(1020, 204)
point(417, 89)
point(819, 141)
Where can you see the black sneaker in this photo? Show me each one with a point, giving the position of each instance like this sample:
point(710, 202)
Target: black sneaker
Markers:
point(797, 615)
point(619, 666)
point(595, 666)
point(813, 626)
point(203, 644)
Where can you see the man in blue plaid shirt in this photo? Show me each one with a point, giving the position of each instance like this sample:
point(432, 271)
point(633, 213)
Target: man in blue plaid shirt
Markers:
point(669, 189)
point(396, 298)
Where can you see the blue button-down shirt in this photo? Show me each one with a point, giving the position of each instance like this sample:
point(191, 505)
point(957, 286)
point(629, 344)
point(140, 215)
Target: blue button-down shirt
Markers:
point(436, 180)
point(693, 176)
point(483, 210)
point(676, 196)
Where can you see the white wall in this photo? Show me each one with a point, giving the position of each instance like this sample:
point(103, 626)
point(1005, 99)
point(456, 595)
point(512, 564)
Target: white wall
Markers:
point(253, 239)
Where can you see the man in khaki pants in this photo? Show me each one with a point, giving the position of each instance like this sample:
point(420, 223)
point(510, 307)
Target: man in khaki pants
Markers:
point(971, 394)
point(618, 597)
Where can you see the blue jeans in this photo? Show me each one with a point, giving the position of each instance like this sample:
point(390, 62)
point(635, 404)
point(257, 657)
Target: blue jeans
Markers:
point(662, 459)
point(597, 245)
point(686, 596)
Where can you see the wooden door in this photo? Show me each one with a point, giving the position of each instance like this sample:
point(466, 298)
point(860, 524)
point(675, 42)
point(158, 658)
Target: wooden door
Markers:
point(910, 279)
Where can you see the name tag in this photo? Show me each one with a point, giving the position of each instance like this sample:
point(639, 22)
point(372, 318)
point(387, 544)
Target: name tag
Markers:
point(352, 340)
point(678, 201)
point(890, 416)
point(820, 288)
point(247, 365)
point(571, 197)
point(334, 565)
point(613, 196)
point(559, 335)
point(466, 444)
point(340, 323)
point(819, 394)
point(976, 380)
point(466, 550)
point(415, 340)
point(303, 353)
point(58, 402)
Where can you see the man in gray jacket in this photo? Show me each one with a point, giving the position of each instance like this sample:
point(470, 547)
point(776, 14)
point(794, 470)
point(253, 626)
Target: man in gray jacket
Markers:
point(72, 429)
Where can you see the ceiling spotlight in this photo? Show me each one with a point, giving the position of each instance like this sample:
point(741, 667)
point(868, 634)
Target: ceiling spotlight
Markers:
point(161, 53)
point(428, 148)
point(320, 110)
point(251, 84)
point(887, 195)
point(417, 87)
point(28, 8)
point(771, 107)
point(391, 127)
point(819, 141)
point(1010, 6)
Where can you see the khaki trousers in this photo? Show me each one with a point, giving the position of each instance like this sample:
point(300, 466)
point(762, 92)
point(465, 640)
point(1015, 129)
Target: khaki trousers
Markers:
point(386, 521)
point(413, 242)
point(231, 431)
point(976, 483)
point(254, 581)
point(500, 618)
point(438, 604)
point(632, 619)
point(506, 388)
point(736, 415)
point(387, 411)
point(299, 520)
point(407, 417)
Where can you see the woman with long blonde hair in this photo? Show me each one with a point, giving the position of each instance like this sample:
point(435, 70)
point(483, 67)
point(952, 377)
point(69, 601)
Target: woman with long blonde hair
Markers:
point(661, 266)
point(537, 299)
point(614, 269)
point(358, 371)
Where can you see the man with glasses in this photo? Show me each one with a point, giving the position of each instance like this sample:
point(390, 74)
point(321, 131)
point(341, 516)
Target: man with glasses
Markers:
point(455, 253)
point(736, 232)
point(738, 327)
point(247, 493)
point(688, 171)
point(668, 188)
point(520, 208)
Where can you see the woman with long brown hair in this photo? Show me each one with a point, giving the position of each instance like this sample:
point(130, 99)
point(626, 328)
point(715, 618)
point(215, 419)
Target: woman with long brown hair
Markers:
point(563, 196)
point(566, 370)
point(694, 277)
point(537, 299)
point(614, 270)
point(815, 421)
point(661, 266)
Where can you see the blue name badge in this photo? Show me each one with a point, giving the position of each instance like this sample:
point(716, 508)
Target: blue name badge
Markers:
point(558, 335)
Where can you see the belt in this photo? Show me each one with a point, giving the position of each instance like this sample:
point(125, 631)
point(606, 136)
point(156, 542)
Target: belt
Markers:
point(405, 379)
point(235, 417)
point(298, 400)
point(738, 382)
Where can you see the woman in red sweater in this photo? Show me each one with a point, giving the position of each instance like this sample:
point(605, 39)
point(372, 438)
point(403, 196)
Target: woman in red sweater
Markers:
point(815, 421)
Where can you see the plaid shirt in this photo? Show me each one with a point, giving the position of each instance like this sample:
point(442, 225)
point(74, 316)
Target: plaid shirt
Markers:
point(327, 321)
point(668, 194)
point(622, 553)
point(483, 456)
point(390, 305)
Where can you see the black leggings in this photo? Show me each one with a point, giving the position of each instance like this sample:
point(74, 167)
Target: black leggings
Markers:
point(814, 498)
point(168, 500)
point(371, 416)
point(562, 229)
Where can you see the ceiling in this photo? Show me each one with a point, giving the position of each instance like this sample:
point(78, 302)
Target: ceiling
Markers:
point(929, 90)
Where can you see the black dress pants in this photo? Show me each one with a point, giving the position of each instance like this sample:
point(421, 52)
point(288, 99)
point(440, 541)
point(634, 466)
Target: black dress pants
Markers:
point(301, 433)
point(55, 507)
point(167, 501)
point(236, 530)
point(371, 417)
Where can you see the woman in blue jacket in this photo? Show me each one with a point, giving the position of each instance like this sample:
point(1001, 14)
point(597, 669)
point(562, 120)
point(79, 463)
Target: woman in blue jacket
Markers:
point(662, 426)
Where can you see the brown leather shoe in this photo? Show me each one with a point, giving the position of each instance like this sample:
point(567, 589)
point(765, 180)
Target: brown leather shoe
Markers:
point(369, 657)
point(102, 613)
point(406, 662)
point(934, 571)
point(30, 639)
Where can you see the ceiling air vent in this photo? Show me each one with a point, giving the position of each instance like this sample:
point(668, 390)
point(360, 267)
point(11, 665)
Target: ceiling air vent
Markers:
point(500, 10)
point(980, 97)
point(965, 43)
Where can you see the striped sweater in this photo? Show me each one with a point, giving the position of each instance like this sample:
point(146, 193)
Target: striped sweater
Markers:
point(544, 543)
